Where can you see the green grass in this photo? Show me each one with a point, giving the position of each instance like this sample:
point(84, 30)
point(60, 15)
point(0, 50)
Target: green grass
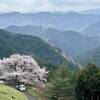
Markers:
point(9, 93)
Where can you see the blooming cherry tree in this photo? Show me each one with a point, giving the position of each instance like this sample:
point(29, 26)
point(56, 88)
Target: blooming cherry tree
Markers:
point(22, 68)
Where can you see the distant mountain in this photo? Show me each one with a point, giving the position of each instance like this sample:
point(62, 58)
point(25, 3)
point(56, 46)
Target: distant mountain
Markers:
point(67, 21)
point(70, 42)
point(32, 45)
point(91, 11)
point(92, 56)
point(92, 29)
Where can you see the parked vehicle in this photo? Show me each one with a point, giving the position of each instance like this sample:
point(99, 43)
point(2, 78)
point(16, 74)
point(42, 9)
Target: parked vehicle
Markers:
point(21, 87)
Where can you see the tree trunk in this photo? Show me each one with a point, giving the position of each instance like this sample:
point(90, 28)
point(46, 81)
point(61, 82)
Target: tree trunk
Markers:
point(98, 97)
point(83, 96)
point(92, 97)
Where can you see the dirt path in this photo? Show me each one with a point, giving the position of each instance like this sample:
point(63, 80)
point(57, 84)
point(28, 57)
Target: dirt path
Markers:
point(31, 97)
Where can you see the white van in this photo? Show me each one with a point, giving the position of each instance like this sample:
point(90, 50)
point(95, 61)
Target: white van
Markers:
point(21, 87)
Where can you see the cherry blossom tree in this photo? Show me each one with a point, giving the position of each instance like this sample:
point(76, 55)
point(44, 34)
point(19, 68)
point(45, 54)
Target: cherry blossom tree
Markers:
point(22, 68)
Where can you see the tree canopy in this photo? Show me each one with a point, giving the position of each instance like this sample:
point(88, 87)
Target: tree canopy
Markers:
point(88, 82)
point(22, 68)
point(61, 86)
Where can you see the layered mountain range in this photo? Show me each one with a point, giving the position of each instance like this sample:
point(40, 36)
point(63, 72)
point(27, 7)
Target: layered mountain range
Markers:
point(67, 21)
point(75, 34)
point(70, 42)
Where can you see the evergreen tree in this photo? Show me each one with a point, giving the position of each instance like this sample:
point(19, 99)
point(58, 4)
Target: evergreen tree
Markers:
point(61, 86)
point(88, 83)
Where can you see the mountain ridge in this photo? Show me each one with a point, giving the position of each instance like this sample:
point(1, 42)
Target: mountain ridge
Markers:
point(75, 21)
point(67, 41)
point(46, 54)
point(92, 29)
point(92, 56)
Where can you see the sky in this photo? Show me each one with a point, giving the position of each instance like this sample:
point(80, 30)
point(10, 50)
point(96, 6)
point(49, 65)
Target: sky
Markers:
point(47, 5)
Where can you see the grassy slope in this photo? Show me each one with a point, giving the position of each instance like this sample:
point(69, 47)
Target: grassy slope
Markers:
point(9, 93)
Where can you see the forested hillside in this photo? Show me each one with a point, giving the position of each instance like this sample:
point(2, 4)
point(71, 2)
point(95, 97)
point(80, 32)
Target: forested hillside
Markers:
point(31, 45)
point(92, 56)
point(70, 42)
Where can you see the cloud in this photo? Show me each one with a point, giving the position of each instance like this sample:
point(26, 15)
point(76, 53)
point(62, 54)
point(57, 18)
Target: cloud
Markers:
point(24, 5)
point(46, 5)
point(76, 5)
point(15, 5)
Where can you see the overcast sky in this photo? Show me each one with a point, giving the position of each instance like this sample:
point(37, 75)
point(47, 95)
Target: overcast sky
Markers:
point(47, 5)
